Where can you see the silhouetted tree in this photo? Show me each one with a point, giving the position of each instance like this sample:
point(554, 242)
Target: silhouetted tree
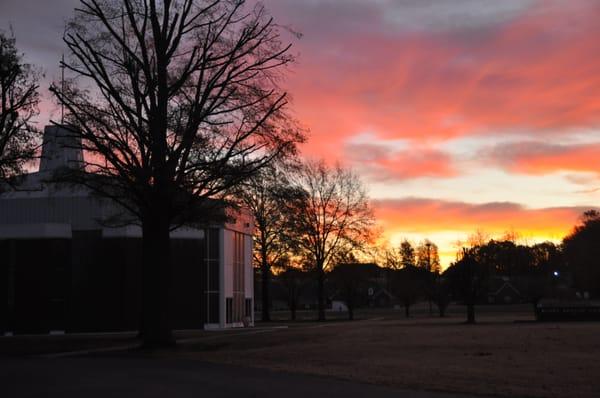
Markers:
point(469, 277)
point(508, 258)
point(263, 195)
point(391, 257)
point(545, 259)
point(176, 103)
point(441, 294)
point(582, 253)
point(407, 254)
point(406, 286)
point(19, 101)
point(428, 260)
point(330, 215)
point(428, 257)
point(351, 281)
point(294, 280)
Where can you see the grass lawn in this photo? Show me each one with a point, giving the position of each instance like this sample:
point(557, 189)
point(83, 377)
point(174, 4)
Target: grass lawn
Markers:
point(505, 354)
point(498, 356)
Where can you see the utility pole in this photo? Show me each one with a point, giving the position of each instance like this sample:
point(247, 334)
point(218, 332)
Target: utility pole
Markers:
point(62, 90)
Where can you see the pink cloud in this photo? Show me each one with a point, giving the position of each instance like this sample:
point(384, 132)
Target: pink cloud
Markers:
point(543, 158)
point(380, 162)
point(535, 70)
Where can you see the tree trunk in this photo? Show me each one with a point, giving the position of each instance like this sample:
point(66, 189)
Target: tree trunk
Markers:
point(442, 310)
point(266, 279)
point(351, 312)
point(407, 310)
point(321, 292)
point(293, 309)
point(156, 281)
point(471, 312)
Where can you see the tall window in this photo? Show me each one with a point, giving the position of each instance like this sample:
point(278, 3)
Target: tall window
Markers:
point(211, 263)
point(238, 310)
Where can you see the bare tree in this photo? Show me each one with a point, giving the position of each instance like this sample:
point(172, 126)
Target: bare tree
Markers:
point(440, 294)
point(263, 195)
point(406, 285)
point(407, 254)
point(428, 257)
point(330, 215)
point(176, 102)
point(428, 260)
point(351, 281)
point(469, 277)
point(294, 279)
point(19, 101)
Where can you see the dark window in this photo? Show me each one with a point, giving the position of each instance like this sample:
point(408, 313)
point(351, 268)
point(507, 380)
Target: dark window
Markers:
point(229, 308)
point(249, 308)
point(213, 243)
point(213, 307)
point(213, 275)
point(211, 269)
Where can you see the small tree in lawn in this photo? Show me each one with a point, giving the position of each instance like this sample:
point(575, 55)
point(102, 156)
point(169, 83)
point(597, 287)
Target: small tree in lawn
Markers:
point(330, 214)
point(428, 260)
point(176, 104)
point(406, 285)
point(294, 280)
point(469, 277)
point(351, 281)
point(19, 101)
point(440, 294)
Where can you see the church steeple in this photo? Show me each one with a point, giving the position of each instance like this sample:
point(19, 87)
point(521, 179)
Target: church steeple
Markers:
point(61, 147)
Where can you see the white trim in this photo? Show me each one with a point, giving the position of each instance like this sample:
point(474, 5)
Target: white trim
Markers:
point(129, 231)
point(135, 231)
point(35, 231)
point(222, 309)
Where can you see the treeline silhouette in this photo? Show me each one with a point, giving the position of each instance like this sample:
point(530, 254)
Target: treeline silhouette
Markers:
point(486, 271)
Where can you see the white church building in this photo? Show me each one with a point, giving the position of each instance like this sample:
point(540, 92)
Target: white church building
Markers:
point(64, 269)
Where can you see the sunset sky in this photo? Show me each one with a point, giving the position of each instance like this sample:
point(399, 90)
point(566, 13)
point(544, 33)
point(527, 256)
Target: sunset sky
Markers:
point(459, 115)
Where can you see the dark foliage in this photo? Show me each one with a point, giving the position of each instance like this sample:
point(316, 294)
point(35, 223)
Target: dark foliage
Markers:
point(351, 281)
point(582, 253)
point(19, 101)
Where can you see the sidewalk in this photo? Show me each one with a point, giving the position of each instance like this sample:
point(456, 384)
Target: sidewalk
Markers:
point(151, 377)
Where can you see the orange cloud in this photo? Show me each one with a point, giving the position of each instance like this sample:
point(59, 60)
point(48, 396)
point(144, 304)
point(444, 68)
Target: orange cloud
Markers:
point(414, 215)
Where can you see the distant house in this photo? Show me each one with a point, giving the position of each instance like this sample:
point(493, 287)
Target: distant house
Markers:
point(381, 298)
point(338, 306)
point(503, 291)
point(65, 269)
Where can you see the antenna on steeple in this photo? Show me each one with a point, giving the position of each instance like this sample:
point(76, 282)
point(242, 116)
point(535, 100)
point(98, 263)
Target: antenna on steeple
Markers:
point(62, 90)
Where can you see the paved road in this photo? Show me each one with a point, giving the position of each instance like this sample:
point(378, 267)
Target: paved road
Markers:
point(144, 377)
